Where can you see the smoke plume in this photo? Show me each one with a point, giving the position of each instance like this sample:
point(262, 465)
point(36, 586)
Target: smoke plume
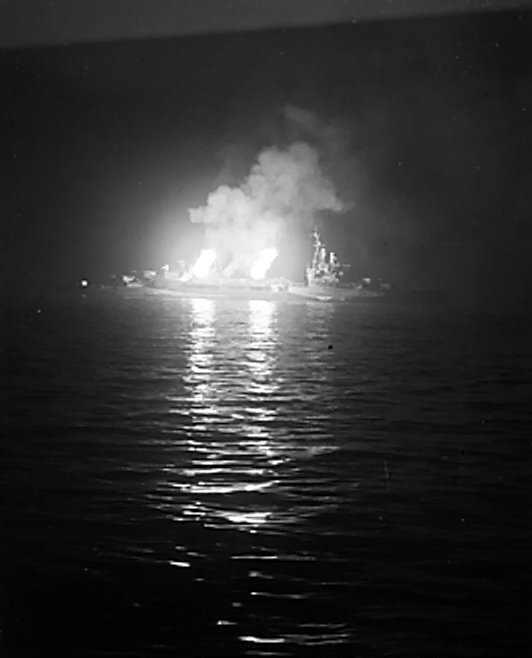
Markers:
point(284, 190)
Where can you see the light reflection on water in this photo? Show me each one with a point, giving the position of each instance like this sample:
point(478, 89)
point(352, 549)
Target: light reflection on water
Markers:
point(234, 448)
point(329, 496)
point(260, 356)
point(199, 374)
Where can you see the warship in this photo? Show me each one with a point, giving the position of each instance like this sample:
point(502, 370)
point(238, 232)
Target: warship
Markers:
point(326, 280)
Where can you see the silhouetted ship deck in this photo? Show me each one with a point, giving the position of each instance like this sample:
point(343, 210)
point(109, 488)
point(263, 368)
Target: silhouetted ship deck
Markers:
point(175, 284)
point(233, 288)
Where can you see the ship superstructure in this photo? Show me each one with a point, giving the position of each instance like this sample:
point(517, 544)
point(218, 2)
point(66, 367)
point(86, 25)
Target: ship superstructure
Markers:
point(325, 278)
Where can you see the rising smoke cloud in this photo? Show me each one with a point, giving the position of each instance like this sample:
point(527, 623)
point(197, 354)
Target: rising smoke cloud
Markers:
point(284, 190)
point(333, 138)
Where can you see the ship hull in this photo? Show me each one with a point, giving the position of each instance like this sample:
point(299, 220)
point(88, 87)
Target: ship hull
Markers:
point(334, 293)
point(225, 290)
point(421, 297)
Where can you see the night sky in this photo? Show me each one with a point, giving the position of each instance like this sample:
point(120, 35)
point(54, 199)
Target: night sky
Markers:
point(423, 124)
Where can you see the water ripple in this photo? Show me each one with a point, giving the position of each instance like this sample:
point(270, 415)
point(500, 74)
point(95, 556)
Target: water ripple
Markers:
point(313, 477)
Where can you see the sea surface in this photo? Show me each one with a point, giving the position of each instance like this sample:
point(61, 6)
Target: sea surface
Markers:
point(252, 478)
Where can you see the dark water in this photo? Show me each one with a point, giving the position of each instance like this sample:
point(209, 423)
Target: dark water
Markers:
point(216, 478)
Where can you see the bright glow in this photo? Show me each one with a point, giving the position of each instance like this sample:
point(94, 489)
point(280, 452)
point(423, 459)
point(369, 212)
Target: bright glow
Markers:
point(263, 263)
point(230, 445)
point(262, 640)
point(202, 346)
point(284, 191)
point(203, 265)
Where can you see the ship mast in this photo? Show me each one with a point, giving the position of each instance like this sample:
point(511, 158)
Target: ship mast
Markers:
point(325, 266)
point(318, 245)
